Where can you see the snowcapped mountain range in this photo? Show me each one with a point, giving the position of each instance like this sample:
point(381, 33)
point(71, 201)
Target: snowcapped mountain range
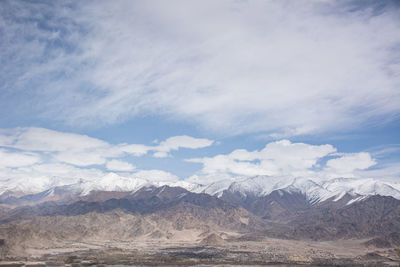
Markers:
point(315, 191)
point(257, 186)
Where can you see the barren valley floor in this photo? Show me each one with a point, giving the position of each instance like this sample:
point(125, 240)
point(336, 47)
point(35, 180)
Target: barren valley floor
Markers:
point(183, 253)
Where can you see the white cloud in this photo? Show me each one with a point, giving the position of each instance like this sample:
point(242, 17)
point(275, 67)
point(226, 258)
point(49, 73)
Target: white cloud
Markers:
point(82, 150)
point(161, 154)
point(287, 132)
point(285, 159)
point(177, 142)
point(134, 149)
point(56, 165)
point(282, 67)
point(164, 147)
point(79, 158)
point(40, 139)
point(35, 159)
point(10, 159)
point(76, 149)
point(386, 171)
point(348, 163)
point(66, 173)
point(280, 158)
point(184, 141)
point(119, 165)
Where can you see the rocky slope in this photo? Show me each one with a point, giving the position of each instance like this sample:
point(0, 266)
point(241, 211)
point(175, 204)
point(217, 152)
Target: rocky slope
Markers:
point(371, 217)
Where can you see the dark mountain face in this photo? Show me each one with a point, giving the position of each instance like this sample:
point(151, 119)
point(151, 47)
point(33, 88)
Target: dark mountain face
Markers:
point(297, 218)
point(278, 205)
point(373, 216)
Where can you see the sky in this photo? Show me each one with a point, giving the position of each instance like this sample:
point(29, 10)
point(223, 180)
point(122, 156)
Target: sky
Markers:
point(199, 90)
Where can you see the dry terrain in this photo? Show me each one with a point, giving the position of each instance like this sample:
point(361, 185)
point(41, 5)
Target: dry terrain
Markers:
point(194, 247)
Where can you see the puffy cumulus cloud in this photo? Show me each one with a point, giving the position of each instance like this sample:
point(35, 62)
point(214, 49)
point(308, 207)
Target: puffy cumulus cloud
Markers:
point(119, 165)
point(223, 164)
point(305, 67)
point(276, 158)
point(9, 159)
point(286, 155)
point(288, 160)
point(348, 163)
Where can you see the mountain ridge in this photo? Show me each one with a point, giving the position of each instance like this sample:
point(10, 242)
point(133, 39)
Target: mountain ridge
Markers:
point(258, 186)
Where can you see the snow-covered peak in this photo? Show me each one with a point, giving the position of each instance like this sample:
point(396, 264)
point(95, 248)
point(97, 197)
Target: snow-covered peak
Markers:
point(259, 185)
point(362, 187)
point(113, 182)
point(313, 191)
point(339, 187)
point(217, 188)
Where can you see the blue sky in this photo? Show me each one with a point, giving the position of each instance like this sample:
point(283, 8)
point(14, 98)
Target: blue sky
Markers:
point(200, 90)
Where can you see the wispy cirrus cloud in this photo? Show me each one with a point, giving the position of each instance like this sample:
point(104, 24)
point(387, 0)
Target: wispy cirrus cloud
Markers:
point(285, 68)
